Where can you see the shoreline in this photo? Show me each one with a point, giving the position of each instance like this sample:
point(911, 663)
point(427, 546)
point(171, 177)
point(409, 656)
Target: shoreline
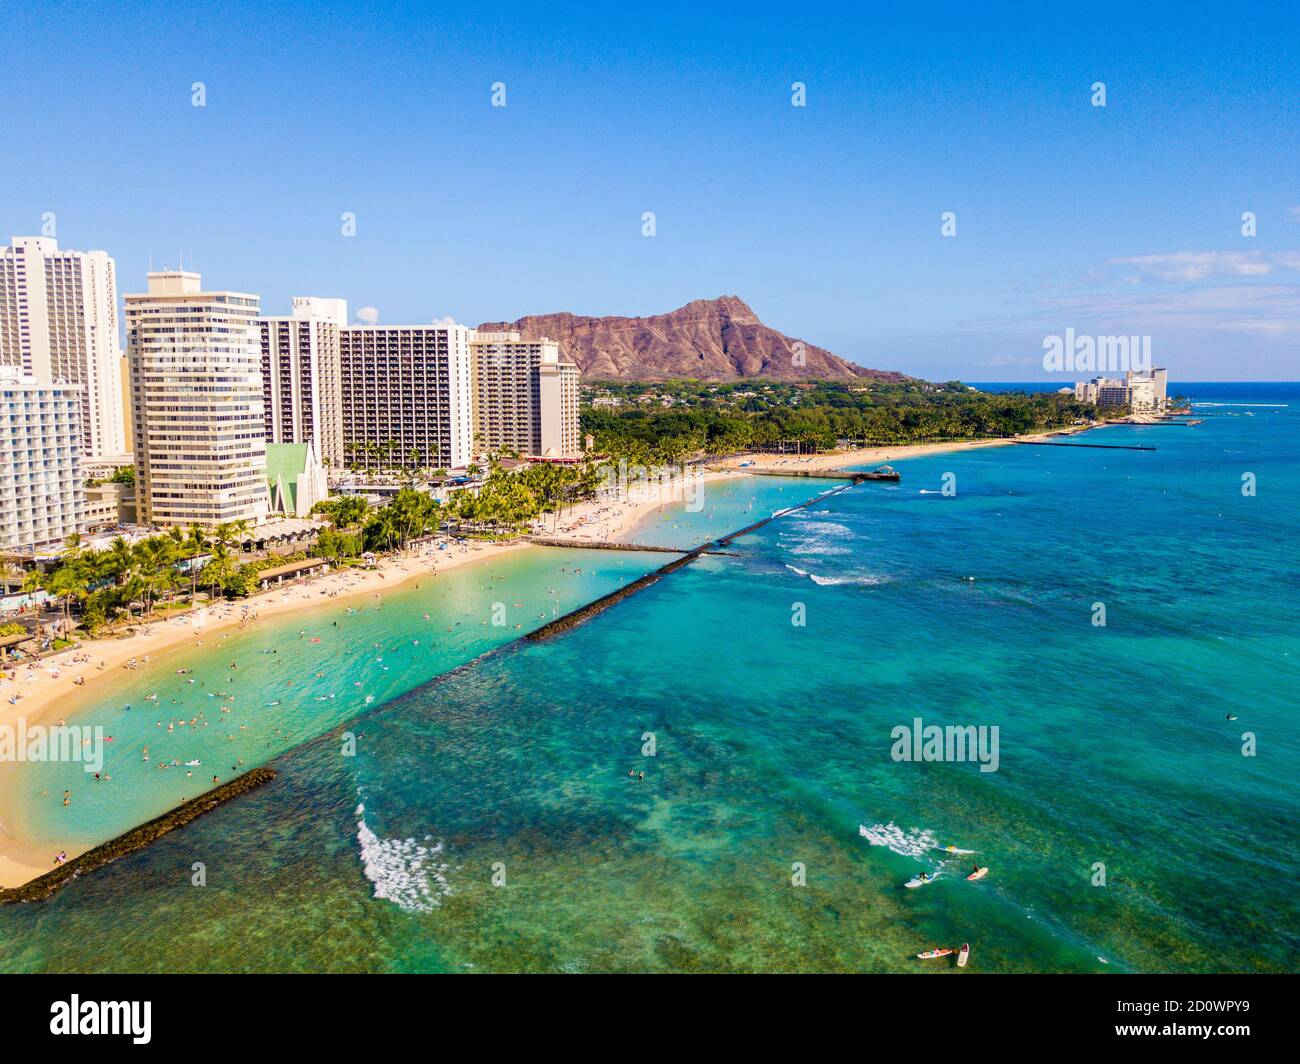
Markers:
point(48, 685)
point(42, 686)
point(831, 461)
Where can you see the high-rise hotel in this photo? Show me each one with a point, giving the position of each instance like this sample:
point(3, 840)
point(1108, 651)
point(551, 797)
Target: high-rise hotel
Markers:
point(42, 497)
point(58, 322)
point(407, 396)
point(525, 396)
point(302, 391)
point(196, 394)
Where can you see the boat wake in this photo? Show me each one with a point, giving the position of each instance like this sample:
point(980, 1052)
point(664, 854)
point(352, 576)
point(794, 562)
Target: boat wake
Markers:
point(404, 871)
point(913, 843)
point(860, 580)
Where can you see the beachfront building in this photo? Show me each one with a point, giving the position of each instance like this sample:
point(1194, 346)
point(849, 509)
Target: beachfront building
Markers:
point(104, 505)
point(295, 478)
point(58, 322)
point(525, 396)
point(302, 394)
point(42, 496)
point(406, 396)
point(1145, 393)
point(196, 394)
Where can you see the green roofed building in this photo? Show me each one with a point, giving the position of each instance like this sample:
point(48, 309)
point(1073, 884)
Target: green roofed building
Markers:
point(295, 478)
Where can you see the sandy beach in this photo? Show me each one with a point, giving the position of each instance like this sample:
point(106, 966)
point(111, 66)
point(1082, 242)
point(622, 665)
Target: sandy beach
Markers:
point(53, 689)
point(835, 460)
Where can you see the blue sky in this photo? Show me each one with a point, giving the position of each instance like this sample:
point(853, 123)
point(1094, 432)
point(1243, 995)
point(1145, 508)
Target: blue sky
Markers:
point(826, 218)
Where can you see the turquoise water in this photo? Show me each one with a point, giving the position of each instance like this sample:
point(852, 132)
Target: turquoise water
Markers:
point(487, 821)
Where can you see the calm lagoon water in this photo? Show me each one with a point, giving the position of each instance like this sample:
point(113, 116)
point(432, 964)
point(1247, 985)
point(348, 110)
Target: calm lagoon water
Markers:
point(487, 821)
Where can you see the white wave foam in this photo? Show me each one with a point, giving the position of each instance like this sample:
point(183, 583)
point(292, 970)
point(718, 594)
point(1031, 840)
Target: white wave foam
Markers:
point(912, 843)
point(861, 580)
point(831, 581)
point(820, 528)
point(403, 871)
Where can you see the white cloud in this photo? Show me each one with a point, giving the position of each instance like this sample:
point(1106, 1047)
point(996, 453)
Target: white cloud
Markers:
point(368, 315)
point(446, 319)
point(1198, 265)
point(1265, 310)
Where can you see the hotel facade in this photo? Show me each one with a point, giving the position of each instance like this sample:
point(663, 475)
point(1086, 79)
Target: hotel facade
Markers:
point(1140, 393)
point(58, 322)
point(302, 388)
point(407, 396)
point(525, 396)
point(42, 495)
point(199, 429)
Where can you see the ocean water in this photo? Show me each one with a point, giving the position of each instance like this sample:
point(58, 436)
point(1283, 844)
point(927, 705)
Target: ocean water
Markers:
point(487, 821)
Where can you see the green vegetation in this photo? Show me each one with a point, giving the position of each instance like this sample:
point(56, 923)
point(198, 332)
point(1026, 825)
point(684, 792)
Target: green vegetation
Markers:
point(508, 501)
point(121, 475)
point(345, 511)
point(129, 580)
point(675, 420)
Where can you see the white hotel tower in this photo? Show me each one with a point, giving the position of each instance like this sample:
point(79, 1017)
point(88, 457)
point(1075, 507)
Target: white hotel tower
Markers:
point(42, 499)
point(58, 322)
point(196, 394)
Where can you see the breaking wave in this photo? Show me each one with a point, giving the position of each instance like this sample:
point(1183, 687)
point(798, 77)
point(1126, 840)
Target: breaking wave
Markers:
point(911, 843)
point(859, 579)
point(405, 872)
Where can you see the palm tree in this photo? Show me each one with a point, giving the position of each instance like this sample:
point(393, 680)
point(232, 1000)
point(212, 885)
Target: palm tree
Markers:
point(157, 555)
point(195, 544)
point(72, 547)
point(121, 562)
point(219, 569)
point(224, 534)
point(66, 582)
point(9, 573)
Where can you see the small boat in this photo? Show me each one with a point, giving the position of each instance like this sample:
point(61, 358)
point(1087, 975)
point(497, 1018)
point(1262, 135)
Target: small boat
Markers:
point(979, 873)
point(963, 955)
point(931, 954)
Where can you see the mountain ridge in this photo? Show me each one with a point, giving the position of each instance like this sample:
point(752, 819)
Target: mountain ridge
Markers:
point(718, 339)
